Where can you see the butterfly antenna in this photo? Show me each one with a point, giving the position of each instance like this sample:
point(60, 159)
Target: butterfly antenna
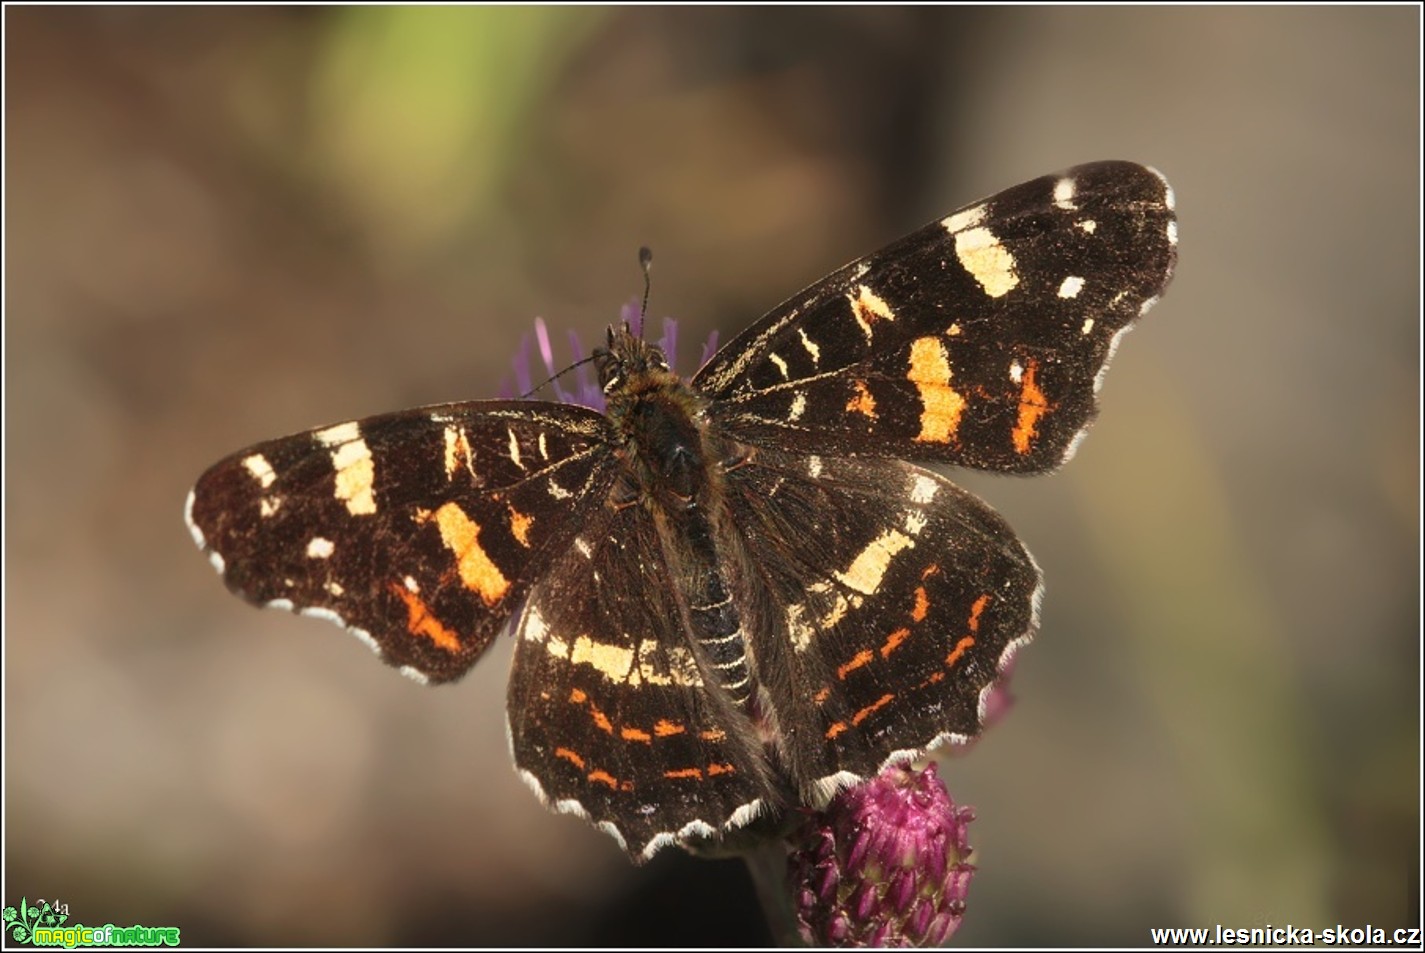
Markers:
point(555, 377)
point(645, 261)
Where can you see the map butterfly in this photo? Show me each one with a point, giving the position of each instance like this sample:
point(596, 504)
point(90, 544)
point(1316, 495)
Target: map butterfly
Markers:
point(736, 593)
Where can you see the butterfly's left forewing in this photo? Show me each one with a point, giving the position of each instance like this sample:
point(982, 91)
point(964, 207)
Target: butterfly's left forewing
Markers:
point(977, 341)
point(419, 531)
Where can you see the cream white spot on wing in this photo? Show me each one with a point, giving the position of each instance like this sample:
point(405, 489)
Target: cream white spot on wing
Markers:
point(341, 433)
point(1169, 199)
point(800, 630)
point(199, 539)
point(814, 466)
point(614, 662)
point(515, 450)
point(1173, 232)
point(746, 814)
point(260, 469)
point(811, 348)
point(963, 219)
point(673, 665)
point(411, 585)
point(365, 638)
point(1064, 194)
point(869, 567)
point(268, 505)
point(867, 308)
point(458, 451)
point(923, 489)
point(534, 628)
point(987, 260)
point(333, 588)
point(317, 612)
point(824, 789)
point(1071, 287)
point(530, 780)
point(803, 630)
point(1087, 326)
point(414, 674)
point(1073, 446)
point(1088, 225)
point(319, 547)
point(609, 828)
point(1016, 371)
point(776, 358)
point(355, 476)
point(799, 406)
point(583, 547)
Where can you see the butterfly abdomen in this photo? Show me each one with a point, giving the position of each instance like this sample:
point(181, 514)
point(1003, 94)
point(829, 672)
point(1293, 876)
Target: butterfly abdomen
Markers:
point(668, 456)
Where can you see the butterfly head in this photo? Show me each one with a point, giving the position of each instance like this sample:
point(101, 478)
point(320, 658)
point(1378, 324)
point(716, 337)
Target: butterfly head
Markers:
point(626, 360)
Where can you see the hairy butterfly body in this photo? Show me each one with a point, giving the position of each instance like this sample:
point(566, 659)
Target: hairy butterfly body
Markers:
point(736, 593)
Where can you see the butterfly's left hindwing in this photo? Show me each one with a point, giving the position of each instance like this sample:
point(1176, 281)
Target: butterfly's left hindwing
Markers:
point(418, 531)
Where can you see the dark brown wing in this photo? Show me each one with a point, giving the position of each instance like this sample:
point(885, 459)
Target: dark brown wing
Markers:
point(979, 340)
point(610, 718)
point(896, 599)
point(419, 531)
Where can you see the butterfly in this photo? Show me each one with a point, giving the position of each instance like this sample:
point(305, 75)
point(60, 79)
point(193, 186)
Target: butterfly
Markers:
point(739, 592)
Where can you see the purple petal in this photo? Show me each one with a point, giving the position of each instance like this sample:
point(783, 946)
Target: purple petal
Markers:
point(521, 365)
point(880, 936)
point(709, 349)
point(668, 343)
point(541, 334)
point(920, 917)
point(901, 890)
point(864, 901)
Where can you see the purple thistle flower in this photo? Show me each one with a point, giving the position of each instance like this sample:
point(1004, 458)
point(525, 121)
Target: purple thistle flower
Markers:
point(885, 864)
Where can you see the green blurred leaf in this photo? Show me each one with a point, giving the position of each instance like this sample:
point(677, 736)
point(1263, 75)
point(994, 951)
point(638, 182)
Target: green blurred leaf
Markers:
point(420, 111)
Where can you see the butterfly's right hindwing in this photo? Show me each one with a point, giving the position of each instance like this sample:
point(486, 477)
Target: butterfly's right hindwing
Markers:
point(610, 714)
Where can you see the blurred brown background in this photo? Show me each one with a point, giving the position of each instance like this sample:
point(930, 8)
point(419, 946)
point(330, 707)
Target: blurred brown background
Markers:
point(229, 224)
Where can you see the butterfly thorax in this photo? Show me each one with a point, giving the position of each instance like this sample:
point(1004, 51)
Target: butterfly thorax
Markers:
point(665, 447)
